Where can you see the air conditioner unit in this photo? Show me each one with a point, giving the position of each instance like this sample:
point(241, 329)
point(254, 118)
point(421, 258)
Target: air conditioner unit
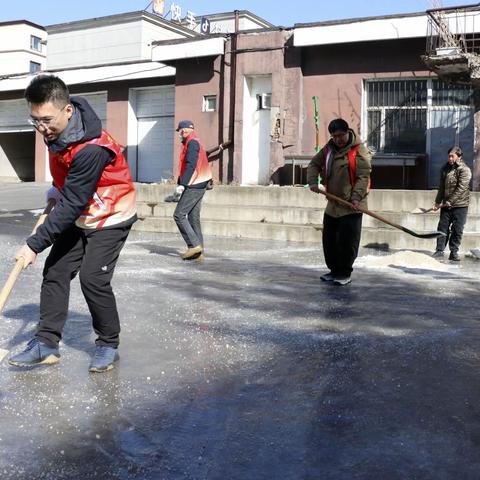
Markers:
point(264, 101)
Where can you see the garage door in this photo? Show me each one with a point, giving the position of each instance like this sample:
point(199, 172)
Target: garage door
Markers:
point(14, 116)
point(98, 101)
point(17, 141)
point(155, 110)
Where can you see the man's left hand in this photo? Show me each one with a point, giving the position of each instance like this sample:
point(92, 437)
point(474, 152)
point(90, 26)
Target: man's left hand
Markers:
point(355, 204)
point(27, 254)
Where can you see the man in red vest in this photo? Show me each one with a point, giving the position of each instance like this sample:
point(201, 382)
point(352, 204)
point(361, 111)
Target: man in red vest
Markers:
point(344, 167)
point(193, 179)
point(94, 212)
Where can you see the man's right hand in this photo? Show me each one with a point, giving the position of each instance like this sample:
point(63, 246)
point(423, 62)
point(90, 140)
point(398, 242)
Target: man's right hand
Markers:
point(27, 254)
point(178, 192)
point(436, 206)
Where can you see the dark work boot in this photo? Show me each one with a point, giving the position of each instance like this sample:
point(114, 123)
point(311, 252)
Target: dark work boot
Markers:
point(454, 257)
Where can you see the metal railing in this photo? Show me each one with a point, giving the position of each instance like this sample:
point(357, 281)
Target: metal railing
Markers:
point(453, 30)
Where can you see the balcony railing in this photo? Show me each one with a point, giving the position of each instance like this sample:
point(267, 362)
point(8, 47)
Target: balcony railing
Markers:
point(453, 30)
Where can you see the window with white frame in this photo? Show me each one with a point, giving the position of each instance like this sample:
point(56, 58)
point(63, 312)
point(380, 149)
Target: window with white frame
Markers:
point(35, 43)
point(209, 103)
point(398, 111)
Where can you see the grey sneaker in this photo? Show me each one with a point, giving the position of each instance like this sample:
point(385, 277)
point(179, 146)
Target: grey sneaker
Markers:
point(438, 254)
point(103, 359)
point(327, 277)
point(36, 353)
point(342, 280)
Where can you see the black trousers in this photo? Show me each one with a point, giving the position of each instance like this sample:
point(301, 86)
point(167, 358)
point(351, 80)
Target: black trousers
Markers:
point(341, 240)
point(93, 253)
point(452, 220)
point(187, 216)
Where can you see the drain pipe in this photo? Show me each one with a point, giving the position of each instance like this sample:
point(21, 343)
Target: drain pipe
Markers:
point(233, 86)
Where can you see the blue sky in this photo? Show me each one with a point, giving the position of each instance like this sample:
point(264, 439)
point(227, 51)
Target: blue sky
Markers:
point(286, 13)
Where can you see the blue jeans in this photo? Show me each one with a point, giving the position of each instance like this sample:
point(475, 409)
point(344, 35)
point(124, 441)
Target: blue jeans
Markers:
point(187, 216)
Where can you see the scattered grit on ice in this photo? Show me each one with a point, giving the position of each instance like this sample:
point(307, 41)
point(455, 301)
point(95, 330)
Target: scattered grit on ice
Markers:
point(406, 259)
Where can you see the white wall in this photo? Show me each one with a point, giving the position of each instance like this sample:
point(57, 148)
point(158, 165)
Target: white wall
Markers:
point(95, 46)
point(15, 62)
point(15, 52)
point(6, 169)
point(392, 28)
point(151, 33)
point(256, 132)
point(122, 42)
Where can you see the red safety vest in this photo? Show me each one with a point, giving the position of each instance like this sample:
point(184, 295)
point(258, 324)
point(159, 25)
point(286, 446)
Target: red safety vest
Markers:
point(114, 199)
point(202, 172)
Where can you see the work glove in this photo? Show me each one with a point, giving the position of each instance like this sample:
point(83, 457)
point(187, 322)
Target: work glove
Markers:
point(53, 193)
point(318, 188)
point(178, 192)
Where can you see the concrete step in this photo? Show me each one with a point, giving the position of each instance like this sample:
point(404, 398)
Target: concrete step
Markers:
point(299, 216)
point(379, 200)
point(373, 237)
point(296, 214)
point(264, 214)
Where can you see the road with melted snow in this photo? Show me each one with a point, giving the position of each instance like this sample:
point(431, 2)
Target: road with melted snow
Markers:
point(246, 366)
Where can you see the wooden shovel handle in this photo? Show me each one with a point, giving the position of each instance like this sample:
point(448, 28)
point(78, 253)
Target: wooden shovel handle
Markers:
point(17, 269)
point(341, 201)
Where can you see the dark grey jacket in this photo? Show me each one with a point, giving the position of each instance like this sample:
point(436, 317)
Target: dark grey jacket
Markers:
point(454, 184)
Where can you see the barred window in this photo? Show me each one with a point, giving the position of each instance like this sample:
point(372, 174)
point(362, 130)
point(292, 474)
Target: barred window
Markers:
point(397, 115)
point(398, 111)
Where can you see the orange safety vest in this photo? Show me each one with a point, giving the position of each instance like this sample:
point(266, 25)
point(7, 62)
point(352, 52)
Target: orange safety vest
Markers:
point(202, 172)
point(114, 199)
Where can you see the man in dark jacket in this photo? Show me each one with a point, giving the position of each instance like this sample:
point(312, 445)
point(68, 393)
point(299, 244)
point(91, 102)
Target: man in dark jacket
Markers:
point(452, 198)
point(193, 180)
point(343, 165)
point(94, 211)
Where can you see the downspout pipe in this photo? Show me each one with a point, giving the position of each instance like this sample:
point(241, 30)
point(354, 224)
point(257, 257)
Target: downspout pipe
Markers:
point(233, 86)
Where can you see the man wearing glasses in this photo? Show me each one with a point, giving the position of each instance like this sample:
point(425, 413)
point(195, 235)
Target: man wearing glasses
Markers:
point(93, 214)
point(344, 166)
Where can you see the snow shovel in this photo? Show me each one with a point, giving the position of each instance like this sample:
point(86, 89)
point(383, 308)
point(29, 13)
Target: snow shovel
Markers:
point(14, 274)
point(339, 200)
point(423, 210)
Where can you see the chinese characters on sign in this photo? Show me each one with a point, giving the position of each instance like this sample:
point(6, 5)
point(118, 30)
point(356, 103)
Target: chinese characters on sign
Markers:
point(176, 12)
point(190, 20)
point(220, 28)
point(176, 16)
point(191, 23)
point(158, 7)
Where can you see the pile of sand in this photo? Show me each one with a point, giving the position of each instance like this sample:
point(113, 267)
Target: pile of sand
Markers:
point(475, 253)
point(404, 258)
